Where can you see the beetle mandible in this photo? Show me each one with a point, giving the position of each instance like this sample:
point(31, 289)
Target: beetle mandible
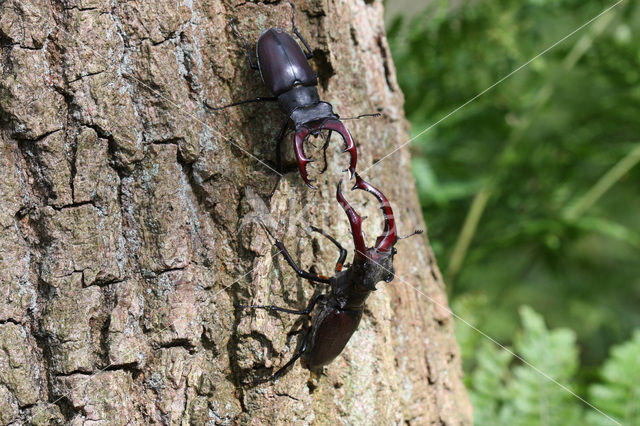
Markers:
point(338, 313)
point(285, 70)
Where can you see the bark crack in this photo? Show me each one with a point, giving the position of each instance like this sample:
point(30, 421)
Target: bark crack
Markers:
point(201, 199)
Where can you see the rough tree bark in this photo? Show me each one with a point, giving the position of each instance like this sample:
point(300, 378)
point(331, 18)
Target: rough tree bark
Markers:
point(128, 223)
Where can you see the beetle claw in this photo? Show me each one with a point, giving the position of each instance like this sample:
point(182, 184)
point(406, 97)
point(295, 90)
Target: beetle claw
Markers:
point(389, 237)
point(301, 158)
point(331, 125)
point(356, 224)
point(349, 144)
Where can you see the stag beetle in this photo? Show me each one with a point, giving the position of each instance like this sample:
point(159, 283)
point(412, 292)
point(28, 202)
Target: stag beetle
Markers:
point(285, 70)
point(339, 312)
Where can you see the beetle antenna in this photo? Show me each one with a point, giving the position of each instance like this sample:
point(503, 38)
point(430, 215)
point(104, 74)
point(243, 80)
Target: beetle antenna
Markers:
point(267, 230)
point(375, 114)
point(416, 232)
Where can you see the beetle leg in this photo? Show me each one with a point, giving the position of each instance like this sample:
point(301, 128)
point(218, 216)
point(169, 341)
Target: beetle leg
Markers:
point(309, 52)
point(279, 155)
point(247, 101)
point(343, 251)
point(282, 370)
point(349, 144)
point(252, 64)
point(302, 274)
point(324, 152)
point(302, 159)
point(273, 308)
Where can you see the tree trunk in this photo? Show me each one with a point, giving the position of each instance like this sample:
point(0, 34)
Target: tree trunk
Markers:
point(129, 223)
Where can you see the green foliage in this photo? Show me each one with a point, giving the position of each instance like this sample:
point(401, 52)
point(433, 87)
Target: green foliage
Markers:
point(531, 190)
point(488, 392)
point(473, 308)
point(619, 395)
point(535, 398)
point(531, 194)
point(506, 390)
point(521, 394)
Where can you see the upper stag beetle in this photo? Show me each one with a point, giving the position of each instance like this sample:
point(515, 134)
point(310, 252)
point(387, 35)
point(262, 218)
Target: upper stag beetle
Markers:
point(285, 70)
point(339, 312)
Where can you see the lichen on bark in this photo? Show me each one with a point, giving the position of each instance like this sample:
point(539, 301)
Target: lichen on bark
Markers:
point(128, 223)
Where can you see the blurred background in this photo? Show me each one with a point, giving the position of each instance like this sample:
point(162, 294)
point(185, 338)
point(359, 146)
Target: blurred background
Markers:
point(531, 194)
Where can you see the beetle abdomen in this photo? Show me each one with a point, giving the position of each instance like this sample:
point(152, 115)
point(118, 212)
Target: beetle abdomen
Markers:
point(282, 62)
point(331, 336)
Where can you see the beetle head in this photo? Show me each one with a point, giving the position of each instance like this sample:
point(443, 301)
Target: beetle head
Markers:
point(378, 269)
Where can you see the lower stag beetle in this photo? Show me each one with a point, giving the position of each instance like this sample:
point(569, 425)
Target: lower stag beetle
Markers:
point(338, 313)
point(285, 70)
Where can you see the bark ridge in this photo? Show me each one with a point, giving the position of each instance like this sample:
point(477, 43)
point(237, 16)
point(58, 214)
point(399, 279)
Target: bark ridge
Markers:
point(128, 223)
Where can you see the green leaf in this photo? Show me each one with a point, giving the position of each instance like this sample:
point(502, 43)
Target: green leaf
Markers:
point(535, 398)
point(619, 394)
point(488, 382)
point(519, 394)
